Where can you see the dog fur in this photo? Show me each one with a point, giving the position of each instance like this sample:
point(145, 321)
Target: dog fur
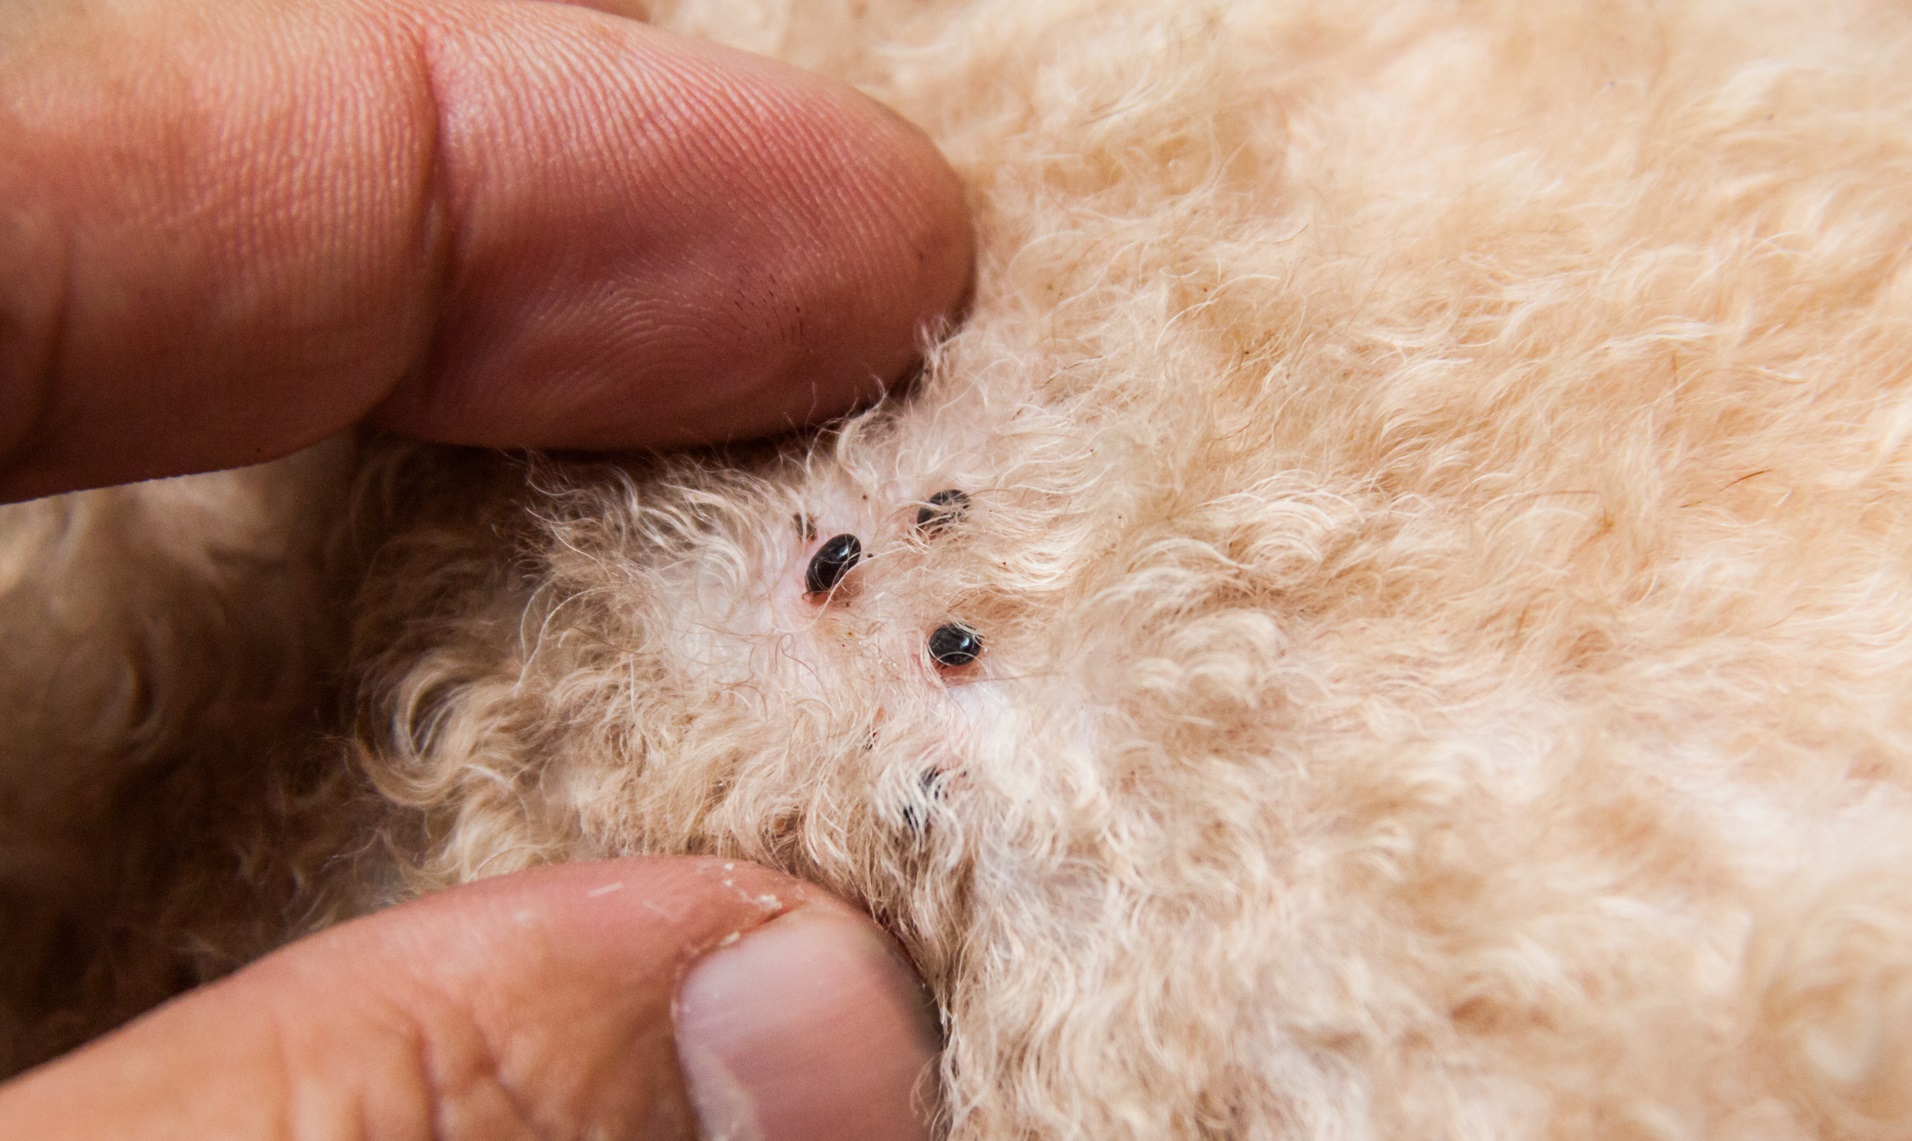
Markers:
point(1438, 482)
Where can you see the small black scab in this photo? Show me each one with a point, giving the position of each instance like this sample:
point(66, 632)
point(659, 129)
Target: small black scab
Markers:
point(942, 509)
point(832, 561)
point(953, 645)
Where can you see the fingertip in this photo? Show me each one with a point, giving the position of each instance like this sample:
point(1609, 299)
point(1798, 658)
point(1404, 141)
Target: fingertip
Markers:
point(807, 1029)
point(634, 996)
point(641, 994)
point(661, 241)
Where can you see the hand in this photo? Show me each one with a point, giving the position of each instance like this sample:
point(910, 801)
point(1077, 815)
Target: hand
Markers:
point(228, 230)
point(535, 1005)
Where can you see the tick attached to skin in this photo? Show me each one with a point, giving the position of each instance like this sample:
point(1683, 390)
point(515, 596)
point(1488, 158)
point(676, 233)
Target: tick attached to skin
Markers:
point(941, 510)
point(952, 645)
point(832, 561)
point(931, 782)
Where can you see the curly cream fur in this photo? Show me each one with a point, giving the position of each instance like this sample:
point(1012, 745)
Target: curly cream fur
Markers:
point(162, 641)
point(1438, 482)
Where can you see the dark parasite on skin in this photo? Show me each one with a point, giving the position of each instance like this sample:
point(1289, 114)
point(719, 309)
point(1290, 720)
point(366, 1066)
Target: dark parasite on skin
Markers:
point(941, 510)
point(915, 815)
point(832, 561)
point(954, 645)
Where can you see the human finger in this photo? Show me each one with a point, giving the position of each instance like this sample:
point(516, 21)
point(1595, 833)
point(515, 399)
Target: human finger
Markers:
point(554, 1004)
point(232, 228)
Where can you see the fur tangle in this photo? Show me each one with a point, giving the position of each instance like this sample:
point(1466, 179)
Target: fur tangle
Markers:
point(1438, 480)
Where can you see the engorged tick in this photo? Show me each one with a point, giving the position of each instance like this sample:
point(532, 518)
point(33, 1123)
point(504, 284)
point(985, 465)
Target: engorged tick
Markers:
point(941, 509)
point(953, 645)
point(832, 561)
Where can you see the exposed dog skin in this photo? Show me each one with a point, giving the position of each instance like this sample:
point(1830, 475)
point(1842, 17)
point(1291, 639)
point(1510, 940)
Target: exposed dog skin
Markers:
point(1421, 644)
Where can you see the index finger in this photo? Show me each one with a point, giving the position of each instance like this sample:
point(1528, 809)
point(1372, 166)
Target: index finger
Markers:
point(234, 228)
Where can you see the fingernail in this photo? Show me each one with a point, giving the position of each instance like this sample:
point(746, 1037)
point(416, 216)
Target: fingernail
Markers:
point(808, 1029)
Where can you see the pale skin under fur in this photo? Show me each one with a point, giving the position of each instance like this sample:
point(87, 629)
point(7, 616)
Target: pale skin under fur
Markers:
point(1438, 523)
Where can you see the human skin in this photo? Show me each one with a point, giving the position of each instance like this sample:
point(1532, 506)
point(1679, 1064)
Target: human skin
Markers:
point(536, 1005)
point(231, 228)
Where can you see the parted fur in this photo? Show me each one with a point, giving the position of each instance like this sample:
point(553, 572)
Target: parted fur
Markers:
point(1440, 524)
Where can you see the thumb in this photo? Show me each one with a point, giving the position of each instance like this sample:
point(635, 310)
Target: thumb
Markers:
point(553, 1004)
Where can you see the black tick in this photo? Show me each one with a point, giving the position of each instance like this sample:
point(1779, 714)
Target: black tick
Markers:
point(953, 645)
point(832, 561)
point(941, 509)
